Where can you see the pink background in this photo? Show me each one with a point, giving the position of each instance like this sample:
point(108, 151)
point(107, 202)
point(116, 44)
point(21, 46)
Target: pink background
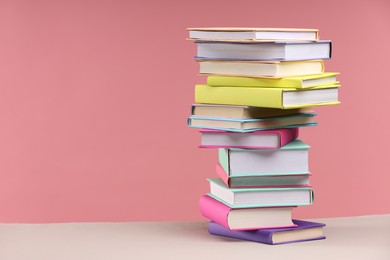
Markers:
point(95, 94)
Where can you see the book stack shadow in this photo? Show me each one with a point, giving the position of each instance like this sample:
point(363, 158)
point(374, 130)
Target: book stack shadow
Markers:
point(262, 85)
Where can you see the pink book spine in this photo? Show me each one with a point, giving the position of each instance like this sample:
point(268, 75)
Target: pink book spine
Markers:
point(287, 135)
point(214, 210)
point(222, 175)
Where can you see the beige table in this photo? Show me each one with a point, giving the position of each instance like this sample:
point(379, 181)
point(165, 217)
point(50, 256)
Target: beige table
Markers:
point(355, 238)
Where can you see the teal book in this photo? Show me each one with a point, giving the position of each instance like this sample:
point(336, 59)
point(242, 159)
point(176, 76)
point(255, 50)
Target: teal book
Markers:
point(252, 124)
point(260, 197)
point(292, 158)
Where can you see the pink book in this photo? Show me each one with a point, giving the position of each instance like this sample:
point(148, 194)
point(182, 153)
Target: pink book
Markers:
point(264, 139)
point(264, 181)
point(245, 218)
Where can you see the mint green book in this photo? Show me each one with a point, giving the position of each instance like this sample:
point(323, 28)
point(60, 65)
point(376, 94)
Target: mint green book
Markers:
point(260, 197)
point(292, 158)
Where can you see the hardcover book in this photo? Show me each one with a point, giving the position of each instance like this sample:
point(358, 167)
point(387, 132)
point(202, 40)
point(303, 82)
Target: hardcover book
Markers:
point(291, 158)
point(267, 139)
point(253, 34)
point(241, 112)
point(271, 69)
point(310, 81)
point(304, 231)
point(290, 180)
point(283, 98)
point(251, 125)
point(260, 197)
point(245, 219)
point(263, 51)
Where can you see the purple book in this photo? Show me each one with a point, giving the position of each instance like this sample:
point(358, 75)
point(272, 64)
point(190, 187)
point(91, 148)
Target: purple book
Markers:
point(305, 231)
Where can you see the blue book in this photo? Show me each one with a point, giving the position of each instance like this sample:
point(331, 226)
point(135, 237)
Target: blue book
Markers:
point(304, 231)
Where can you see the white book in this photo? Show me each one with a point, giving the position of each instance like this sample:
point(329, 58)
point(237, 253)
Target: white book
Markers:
point(264, 51)
point(291, 158)
point(253, 34)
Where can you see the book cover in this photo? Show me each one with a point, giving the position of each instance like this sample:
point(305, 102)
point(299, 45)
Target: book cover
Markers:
point(286, 82)
point(267, 97)
point(245, 140)
point(266, 236)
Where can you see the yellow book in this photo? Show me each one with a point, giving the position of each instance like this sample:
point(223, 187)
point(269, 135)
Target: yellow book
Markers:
point(309, 81)
point(260, 69)
point(284, 98)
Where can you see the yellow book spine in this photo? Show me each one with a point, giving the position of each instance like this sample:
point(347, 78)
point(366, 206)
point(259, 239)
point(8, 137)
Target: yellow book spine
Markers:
point(257, 97)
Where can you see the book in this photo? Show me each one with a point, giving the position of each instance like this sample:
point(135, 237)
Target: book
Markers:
point(263, 51)
point(251, 125)
point(241, 112)
point(260, 197)
point(287, 82)
point(267, 139)
point(271, 69)
point(253, 34)
point(291, 158)
point(245, 219)
point(264, 181)
point(304, 231)
point(283, 98)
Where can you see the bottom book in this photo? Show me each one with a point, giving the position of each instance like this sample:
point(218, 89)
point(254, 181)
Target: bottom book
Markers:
point(304, 231)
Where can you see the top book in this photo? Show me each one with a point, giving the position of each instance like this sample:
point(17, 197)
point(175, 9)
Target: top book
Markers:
point(253, 34)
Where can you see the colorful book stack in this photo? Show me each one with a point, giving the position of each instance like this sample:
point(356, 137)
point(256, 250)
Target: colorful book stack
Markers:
point(262, 84)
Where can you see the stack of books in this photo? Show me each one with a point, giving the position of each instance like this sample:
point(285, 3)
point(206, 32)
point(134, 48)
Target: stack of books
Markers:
point(262, 85)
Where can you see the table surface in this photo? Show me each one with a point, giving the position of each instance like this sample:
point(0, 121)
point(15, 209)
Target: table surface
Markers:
point(366, 237)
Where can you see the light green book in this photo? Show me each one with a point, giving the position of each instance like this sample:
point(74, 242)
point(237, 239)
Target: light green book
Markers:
point(289, 159)
point(260, 197)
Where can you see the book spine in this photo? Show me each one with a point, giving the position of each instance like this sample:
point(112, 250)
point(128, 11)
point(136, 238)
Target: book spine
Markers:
point(222, 175)
point(288, 135)
point(322, 66)
point(223, 158)
point(214, 210)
